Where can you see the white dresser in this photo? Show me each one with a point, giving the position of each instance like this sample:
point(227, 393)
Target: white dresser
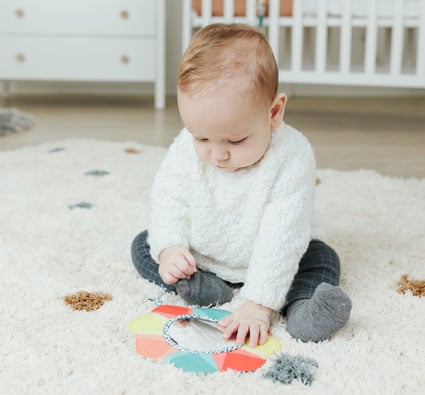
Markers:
point(84, 40)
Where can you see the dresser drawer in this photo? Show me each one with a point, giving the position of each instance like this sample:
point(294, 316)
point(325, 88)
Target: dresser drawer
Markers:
point(83, 17)
point(77, 59)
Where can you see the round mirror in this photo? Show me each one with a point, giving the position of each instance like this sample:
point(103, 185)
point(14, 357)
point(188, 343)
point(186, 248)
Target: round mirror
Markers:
point(197, 335)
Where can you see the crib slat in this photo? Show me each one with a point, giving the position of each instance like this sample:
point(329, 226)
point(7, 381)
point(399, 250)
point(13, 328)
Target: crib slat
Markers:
point(370, 54)
point(206, 12)
point(420, 63)
point(187, 24)
point(229, 10)
point(274, 13)
point(397, 38)
point(345, 41)
point(297, 35)
point(321, 35)
point(251, 12)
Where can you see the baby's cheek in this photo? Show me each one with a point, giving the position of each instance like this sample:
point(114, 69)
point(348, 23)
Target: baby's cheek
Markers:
point(202, 153)
point(245, 155)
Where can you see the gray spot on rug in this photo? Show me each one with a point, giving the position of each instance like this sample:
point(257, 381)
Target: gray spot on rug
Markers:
point(57, 149)
point(14, 121)
point(96, 173)
point(85, 205)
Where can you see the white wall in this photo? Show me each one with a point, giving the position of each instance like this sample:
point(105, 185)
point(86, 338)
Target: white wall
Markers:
point(173, 55)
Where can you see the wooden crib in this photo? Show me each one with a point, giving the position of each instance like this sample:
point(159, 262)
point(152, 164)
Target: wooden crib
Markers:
point(343, 42)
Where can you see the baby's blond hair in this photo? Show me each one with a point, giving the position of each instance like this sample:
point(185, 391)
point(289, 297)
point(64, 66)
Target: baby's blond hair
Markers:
point(234, 54)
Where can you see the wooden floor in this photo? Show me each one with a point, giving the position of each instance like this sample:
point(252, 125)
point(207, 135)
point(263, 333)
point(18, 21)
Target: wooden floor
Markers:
point(387, 135)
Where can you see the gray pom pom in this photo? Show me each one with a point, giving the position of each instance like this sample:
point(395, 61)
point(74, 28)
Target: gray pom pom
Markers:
point(13, 121)
point(287, 367)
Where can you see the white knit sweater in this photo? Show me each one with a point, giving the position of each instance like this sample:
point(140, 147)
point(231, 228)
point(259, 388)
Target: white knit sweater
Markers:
point(250, 226)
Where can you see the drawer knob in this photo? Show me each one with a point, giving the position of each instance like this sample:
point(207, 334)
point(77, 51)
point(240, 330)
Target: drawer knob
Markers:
point(20, 57)
point(125, 14)
point(20, 13)
point(125, 59)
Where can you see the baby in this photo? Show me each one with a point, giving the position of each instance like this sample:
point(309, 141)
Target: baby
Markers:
point(232, 203)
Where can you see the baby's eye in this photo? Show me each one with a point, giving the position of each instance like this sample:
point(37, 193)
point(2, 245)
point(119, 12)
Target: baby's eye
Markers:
point(201, 139)
point(238, 141)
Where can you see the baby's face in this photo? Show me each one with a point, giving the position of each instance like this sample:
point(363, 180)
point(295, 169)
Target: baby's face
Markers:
point(228, 131)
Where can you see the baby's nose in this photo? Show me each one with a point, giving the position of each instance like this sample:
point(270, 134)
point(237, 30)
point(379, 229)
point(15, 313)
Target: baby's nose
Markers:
point(220, 154)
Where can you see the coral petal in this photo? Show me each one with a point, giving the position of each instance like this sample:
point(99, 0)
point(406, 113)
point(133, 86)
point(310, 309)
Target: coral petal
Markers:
point(239, 360)
point(152, 346)
point(171, 311)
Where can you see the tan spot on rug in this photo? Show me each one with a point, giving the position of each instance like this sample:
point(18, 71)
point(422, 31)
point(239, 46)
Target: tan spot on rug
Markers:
point(87, 301)
point(132, 151)
point(318, 181)
point(416, 286)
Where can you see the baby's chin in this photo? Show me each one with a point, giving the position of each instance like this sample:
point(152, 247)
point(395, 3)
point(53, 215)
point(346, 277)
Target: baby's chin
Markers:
point(232, 169)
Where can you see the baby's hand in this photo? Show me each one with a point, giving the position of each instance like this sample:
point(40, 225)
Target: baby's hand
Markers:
point(250, 318)
point(175, 263)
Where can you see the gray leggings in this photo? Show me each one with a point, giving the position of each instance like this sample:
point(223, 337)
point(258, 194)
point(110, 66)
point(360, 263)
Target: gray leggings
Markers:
point(319, 264)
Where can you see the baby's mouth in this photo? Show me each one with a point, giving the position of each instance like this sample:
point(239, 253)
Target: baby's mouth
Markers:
point(227, 168)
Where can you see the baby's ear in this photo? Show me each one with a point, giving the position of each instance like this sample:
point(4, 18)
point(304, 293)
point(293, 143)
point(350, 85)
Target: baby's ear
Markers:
point(277, 110)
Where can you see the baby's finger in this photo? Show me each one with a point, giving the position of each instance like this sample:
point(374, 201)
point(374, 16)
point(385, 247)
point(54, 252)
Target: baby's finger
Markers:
point(169, 278)
point(190, 260)
point(264, 333)
point(231, 328)
point(175, 271)
point(254, 333)
point(242, 333)
point(183, 266)
point(225, 321)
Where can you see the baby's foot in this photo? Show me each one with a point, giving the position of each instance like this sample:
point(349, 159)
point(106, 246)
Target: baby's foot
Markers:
point(318, 318)
point(204, 289)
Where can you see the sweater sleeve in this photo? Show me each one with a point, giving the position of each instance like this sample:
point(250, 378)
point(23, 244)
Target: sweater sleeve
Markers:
point(285, 230)
point(168, 217)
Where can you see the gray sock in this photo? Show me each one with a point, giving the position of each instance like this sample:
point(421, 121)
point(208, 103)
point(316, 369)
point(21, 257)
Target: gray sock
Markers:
point(317, 318)
point(204, 289)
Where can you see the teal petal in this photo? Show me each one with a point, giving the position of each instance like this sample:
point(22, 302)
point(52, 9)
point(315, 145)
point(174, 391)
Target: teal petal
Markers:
point(189, 362)
point(215, 314)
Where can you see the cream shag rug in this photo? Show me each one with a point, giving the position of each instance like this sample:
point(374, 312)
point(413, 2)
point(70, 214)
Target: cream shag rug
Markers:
point(69, 211)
